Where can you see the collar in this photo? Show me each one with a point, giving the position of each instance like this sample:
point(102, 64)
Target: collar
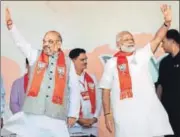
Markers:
point(177, 57)
point(81, 77)
point(55, 56)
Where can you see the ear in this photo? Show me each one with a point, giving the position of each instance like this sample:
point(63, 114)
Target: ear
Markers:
point(117, 43)
point(174, 42)
point(74, 60)
point(58, 45)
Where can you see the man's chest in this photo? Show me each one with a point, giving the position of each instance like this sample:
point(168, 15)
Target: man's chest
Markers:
point(171, 73)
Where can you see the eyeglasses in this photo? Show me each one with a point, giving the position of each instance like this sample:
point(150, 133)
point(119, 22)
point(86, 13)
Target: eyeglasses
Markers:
point(50, 41)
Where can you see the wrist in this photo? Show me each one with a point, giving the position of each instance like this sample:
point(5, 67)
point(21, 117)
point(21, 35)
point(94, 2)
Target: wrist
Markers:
point(106, 114)
point(9, 24)
point(95, 120)
point(167, 24)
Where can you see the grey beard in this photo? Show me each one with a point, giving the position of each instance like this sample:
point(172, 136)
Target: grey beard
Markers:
point(127, 49)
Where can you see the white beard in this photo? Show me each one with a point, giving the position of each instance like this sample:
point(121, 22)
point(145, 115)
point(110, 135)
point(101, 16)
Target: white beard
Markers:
point(127, 49)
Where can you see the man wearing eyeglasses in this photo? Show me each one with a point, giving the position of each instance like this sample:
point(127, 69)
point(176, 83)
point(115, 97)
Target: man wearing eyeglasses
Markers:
point(45, 109)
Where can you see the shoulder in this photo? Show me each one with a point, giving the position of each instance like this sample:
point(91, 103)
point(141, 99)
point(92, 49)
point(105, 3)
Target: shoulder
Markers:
point(68, 60)
point(111, 62)
point(18, 80)
point(39, 51)
point(165, 60)
point(93, 76)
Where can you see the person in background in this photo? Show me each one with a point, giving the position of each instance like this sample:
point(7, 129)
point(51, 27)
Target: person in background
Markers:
point(90, 100)
point(154, 67)
point(2, 102)
point(168, 89)
point(18, 91)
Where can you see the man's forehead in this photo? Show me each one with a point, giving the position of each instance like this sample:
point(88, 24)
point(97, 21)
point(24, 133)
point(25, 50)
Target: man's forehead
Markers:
point(165, 39)
point(51, 35)
point(124, 34)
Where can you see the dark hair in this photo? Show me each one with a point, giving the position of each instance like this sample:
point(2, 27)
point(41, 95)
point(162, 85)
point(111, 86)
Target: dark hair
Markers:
point(74, 53)
point(174, 35)
point(27, 62)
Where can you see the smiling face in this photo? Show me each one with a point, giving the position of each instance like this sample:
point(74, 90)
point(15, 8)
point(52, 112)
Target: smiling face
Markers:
point(125, 41)
point(52, 43)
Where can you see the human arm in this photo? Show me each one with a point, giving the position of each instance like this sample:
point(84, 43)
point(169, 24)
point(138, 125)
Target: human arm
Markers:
point(24, 46)
point(74, 96)
point(161, 33)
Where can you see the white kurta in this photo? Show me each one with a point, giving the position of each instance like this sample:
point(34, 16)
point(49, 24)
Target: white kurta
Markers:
point(154, 67)
point(28, 122)
point(86, 109)
point(30, 125)
point(140, 116)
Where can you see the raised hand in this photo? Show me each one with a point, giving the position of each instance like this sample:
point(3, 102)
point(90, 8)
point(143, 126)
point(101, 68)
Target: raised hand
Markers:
point(167, 13)
point(8, 19)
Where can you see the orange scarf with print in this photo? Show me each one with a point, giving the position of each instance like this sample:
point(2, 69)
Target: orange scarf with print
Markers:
point(124, 75)
point(91, 93)
point(60, 77)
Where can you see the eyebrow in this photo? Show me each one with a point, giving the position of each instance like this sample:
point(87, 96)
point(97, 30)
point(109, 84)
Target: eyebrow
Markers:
point(83, 58)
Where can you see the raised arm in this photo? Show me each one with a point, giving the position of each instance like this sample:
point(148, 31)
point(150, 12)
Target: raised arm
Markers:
point(160, 34)
point(19, 40)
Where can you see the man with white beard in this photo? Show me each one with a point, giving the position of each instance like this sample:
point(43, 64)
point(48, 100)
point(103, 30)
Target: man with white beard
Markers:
point(127, 85)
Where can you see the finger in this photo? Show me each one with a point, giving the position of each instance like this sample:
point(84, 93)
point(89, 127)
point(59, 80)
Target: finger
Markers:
point(109, 129)
point(7, 14)
point(169, 8)
point(166, 6)
point(69, 122)
point(7, 11)
point(162, 8)
point(110, 126)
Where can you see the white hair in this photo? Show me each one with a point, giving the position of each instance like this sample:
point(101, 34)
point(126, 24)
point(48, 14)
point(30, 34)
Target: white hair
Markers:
point(120, 34)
